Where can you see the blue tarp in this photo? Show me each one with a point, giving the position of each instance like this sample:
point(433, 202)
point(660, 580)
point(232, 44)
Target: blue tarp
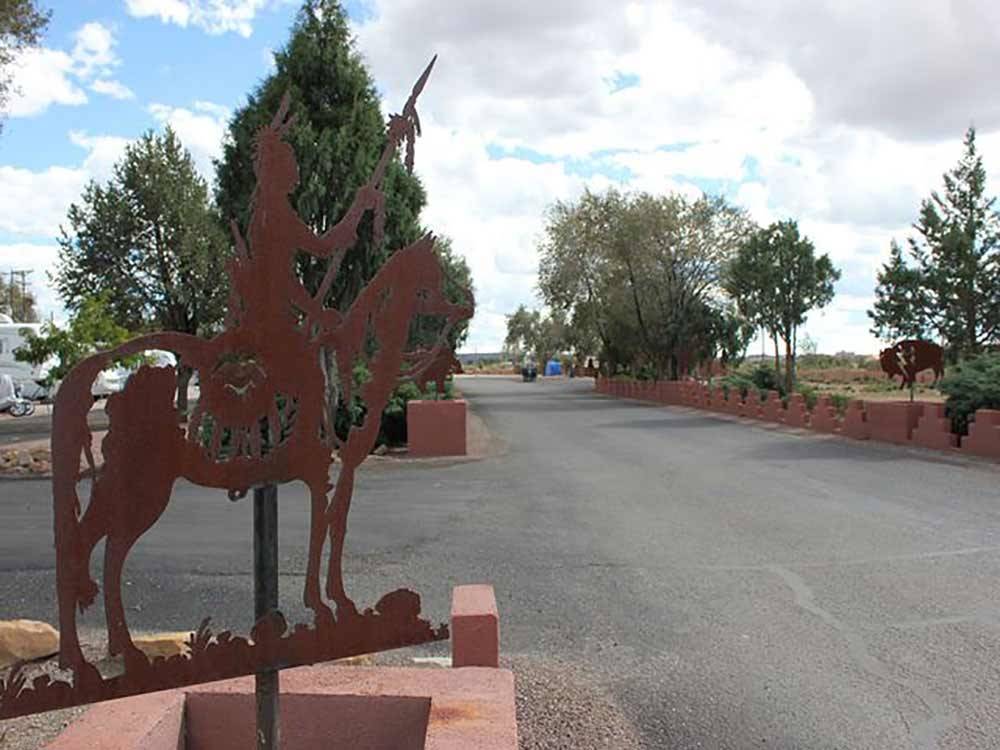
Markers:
point(553, 368)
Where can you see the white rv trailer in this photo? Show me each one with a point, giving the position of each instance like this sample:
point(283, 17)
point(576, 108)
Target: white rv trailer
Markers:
point(28, 376)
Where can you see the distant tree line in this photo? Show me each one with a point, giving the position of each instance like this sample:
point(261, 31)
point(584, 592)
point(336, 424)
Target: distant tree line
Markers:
point(656, 285)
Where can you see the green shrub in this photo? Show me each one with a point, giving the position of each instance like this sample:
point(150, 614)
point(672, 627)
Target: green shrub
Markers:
point(971, 385)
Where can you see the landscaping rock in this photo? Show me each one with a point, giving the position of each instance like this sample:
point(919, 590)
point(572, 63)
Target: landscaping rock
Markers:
point(24, 640)
point(163, 644)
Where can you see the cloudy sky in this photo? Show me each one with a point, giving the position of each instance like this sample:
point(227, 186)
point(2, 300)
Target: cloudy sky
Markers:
point(839, 113)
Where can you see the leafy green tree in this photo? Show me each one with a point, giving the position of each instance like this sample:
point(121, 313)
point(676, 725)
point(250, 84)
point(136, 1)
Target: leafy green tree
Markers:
point(950, 283)
point(91, 328)
point(641, 274)
point(338, 136)
point(776, 279)
point(21, 25)
point(150, 244)
point(523, 327)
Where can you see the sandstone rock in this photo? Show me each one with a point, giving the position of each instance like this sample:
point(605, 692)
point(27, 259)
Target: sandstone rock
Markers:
point(162, 644)
point(23, 640)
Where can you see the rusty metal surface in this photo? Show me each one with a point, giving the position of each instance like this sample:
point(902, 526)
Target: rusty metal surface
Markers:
point(911, 357)
point(261, 418)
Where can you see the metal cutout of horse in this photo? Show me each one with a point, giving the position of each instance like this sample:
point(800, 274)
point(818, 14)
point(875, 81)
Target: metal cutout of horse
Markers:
point(262, 418)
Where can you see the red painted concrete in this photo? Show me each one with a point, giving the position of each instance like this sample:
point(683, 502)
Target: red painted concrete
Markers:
point(475, 627)
point(436, 428)
point(797, 414)
point(934, 429)
point(752, 405)
point(855, 422)
point(824, 416)
point(771, 409)
point(893, 421)
point(362, 708)
point(384, 708)
point(153, 721)
point(984, 434)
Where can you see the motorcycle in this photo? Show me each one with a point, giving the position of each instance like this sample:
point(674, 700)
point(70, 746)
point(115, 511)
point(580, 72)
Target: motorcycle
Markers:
point(11, 400)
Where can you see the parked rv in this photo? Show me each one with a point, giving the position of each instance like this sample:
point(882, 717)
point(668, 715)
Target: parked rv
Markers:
point(28, 378)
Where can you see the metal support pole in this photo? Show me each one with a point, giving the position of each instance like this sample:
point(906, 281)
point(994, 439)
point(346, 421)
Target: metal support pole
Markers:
point(265, 600)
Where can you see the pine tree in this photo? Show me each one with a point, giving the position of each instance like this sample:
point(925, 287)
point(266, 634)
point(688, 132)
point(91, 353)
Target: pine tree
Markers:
point(149, 244)
point(951, 285)
point(338, 136)
point(900, 310)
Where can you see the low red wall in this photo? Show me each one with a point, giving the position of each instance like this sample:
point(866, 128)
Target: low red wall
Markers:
point(902, 422)
point(435, 428)
point(984, 434)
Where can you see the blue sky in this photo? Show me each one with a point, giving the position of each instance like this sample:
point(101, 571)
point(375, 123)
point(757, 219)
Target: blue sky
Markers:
point(809, 118)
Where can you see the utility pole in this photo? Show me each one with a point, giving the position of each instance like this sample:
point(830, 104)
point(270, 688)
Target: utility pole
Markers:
point(23, 273)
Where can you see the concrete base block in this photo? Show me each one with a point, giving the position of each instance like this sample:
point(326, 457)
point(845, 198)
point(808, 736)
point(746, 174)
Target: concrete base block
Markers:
point(436, 428)
point(475, 627)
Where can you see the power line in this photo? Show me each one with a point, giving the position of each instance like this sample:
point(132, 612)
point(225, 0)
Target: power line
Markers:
point(23, 273)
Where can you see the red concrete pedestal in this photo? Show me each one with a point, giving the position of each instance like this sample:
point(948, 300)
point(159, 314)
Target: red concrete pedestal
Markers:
point(934, 429)
point(435, 428)
point(475, 627)
point(984, 434)
point(893, 421)
point(327, 706)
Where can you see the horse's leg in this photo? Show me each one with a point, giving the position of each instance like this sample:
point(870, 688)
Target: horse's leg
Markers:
point(116, 550)
point(311, 594)
point(337, 524)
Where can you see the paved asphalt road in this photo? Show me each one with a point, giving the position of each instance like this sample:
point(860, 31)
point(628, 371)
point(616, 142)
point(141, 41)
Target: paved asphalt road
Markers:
point(666, 579)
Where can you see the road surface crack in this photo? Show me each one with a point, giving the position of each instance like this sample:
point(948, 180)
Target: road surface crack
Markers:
point(925, 734)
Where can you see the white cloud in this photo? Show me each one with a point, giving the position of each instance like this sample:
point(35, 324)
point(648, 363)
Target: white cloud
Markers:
point(112, 88)
point(201, 130)
point(212, 16)
point(34, 203)
point(843, 116)
point(93, 51)
point(43, 76)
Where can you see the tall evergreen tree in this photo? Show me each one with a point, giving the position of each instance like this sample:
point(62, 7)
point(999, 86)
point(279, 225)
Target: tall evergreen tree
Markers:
point(900, 310)
point(950, 284)
point(149, 244)
point(338, 136)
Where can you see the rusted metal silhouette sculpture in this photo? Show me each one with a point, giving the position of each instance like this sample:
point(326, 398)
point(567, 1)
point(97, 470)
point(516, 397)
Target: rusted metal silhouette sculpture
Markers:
point(262, 418)
point(909, 358)
point(443, 364)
